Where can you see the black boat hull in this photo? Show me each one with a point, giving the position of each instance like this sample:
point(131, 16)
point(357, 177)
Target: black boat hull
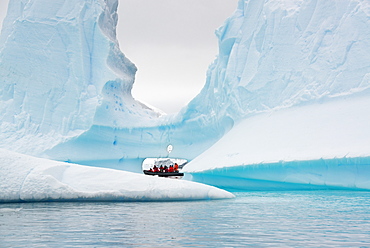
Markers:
point(164, 174)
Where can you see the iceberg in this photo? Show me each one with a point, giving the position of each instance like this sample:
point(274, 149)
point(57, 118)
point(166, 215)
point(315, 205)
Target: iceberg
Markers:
point(285, 104)
point(294, 77)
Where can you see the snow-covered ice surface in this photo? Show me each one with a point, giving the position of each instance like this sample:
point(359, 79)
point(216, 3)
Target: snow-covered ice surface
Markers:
point(315, 131)
point(312, 146)
point(27, 179)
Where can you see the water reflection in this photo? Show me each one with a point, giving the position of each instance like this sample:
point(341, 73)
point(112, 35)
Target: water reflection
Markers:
point(308, 218)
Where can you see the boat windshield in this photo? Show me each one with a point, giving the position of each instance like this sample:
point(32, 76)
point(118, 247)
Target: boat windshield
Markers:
point(150, 162)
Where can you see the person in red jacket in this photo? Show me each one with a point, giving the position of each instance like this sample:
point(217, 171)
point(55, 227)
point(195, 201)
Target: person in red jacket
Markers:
point(176, 168)
point(171, 169)
point(155, 168)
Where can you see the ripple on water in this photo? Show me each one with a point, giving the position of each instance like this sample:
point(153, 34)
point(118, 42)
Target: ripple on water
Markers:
point(277, 219)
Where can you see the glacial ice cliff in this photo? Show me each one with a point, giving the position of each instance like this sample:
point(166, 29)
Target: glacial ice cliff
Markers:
point(61, 72)
point(277, 54)
point(291, 82)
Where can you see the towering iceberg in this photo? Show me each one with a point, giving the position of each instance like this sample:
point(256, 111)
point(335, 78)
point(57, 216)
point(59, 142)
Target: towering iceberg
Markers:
point(61, 72)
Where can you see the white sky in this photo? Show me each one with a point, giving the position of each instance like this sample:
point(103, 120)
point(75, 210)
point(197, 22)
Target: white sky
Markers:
point(172, 42)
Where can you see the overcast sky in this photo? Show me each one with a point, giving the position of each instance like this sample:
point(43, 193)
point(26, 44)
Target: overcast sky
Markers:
point(172, 42)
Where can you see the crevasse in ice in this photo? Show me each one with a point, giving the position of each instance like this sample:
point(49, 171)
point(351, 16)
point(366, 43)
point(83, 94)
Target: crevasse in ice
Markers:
point(291, 82)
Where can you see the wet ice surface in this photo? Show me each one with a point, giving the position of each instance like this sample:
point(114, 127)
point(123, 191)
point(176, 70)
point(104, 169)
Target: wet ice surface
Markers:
point(278, 219)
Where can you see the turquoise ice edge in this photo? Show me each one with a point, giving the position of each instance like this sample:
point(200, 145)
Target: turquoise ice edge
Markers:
point(338, 173)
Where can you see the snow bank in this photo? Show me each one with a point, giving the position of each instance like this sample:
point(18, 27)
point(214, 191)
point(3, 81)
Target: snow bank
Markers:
point(28, 179)
point(336, 129)
point(323, 144)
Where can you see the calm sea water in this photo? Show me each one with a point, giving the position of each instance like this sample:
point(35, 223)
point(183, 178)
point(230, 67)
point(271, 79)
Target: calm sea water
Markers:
point(255, 219)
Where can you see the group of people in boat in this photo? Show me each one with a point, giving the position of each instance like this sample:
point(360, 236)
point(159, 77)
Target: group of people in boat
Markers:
point(172, 168)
